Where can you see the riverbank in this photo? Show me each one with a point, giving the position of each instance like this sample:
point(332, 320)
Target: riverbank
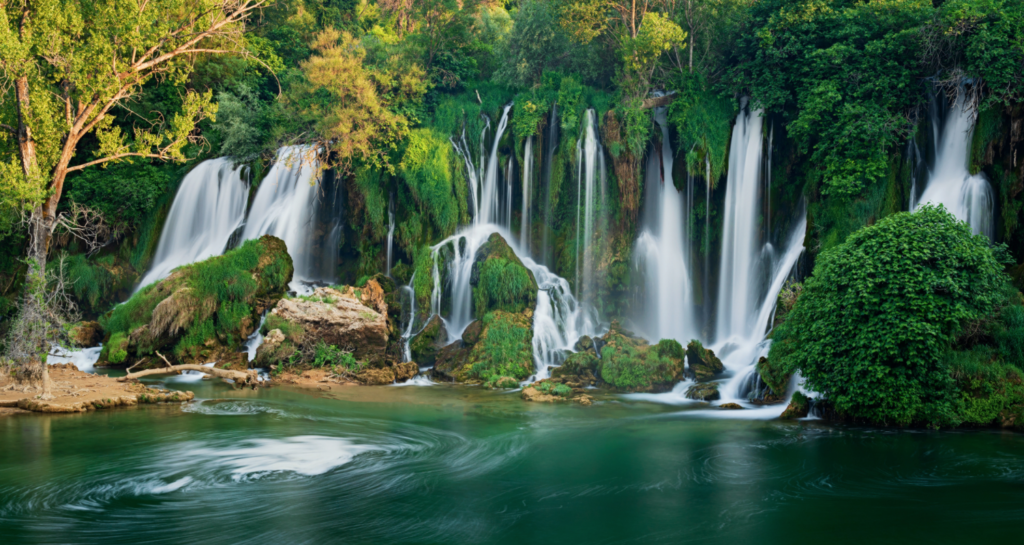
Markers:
point(75, 391)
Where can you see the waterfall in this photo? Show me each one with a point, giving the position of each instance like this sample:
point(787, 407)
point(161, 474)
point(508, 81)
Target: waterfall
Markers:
point(663, 248)
point(741, 286)
point(490, 198)
point(208, 209)
point(968, 197)
point(291, 205)
point(551, 144)
point(488, 203)
point(391, 232)
point(558, 320)
point(588, 154)
point(524, 236)
point(408, 294)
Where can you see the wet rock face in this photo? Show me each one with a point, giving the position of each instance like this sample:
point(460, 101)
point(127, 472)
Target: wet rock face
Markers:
point(703, 391)
point(702, 362)
point(86, 333)
point(340, 319)
point(426, 344)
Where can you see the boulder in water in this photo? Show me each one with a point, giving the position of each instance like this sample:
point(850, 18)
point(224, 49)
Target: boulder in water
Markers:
point(703, 391)
point(86, 333)
point(774, 378)
point(579, 367)
point(405, 371)
point(730, 406)
point(425, 345)
point(799, 407)
point(631, 364)
point(702, 362)
point(504, 349)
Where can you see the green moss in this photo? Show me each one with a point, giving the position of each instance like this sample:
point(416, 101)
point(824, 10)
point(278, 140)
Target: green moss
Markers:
point(116, 348)
point(504, 348)
point(629, 363)
point(427, 168)
point(502, 282)
point(423, 283)
point(211, 300)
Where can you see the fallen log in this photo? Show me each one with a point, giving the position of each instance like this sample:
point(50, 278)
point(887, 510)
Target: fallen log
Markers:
point(242, 378)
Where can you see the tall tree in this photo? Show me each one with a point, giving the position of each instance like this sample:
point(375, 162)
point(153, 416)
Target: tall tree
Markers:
point(65, 67)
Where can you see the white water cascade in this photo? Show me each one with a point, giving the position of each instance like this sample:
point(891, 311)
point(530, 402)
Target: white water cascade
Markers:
point(558, 321)
point(208, 209)
point(489, 203)
point(663, 248)
point(741, 286)
point(288, 205)
point(524, 236)
point(391, 232)
point(590, 173)
point(968, 197)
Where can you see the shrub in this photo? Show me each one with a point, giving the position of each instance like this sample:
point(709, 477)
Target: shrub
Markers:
point(505, 348)
point(874, 327)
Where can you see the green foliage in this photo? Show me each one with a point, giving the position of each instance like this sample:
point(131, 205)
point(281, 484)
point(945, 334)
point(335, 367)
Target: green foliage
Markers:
point(117, 348)
point(504, 348)
point(703, 121)
point(427, 168)
point(328, 355)
point(527, 115)
point(553, 388)
point(633, 365)
point(125, 194)
point(874, 324)
point(423, 282)
point(504, 285)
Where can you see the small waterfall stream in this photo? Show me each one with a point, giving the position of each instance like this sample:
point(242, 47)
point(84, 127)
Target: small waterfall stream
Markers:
point(590, 173)
point(208, 208)
point(950, 183)
point(524, 236)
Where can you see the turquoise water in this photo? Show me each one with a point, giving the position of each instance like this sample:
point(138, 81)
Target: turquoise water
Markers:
point(448, 464)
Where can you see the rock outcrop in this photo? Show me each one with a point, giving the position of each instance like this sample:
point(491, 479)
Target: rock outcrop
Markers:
point(354, 320)
point(799, 407)
point(703, 391)
point(429, 341)
point(629, 363)
point(201, 312)
point(702, 362)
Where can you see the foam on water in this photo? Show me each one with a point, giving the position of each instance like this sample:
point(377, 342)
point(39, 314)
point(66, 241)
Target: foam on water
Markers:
point(84, 360)
point(676, 396)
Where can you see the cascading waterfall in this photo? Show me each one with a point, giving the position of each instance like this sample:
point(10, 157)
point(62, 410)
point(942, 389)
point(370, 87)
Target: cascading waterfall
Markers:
point(391, 232)
point(524, 236)
point(550, 145)
point(291, 205)
point(208, 209)
point(558, 320)
point(663, 248)
point(408, 294)
point(741, 275)
point(589, 173)
point(968, 197)
point(488, 203)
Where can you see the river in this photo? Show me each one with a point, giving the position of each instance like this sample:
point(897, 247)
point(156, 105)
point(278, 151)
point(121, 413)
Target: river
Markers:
point(455, 464)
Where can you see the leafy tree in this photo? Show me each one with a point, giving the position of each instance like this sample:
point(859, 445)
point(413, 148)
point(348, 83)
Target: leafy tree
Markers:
point(66, 68)
point(874, 326)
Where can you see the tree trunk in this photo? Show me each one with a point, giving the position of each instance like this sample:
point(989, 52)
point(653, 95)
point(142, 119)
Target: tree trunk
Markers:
point(242, 378)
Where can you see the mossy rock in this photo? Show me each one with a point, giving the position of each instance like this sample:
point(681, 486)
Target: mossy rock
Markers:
point(585, 344)
point(507, 383)
point(776, 380)
point(425, 345)
point(703, 391)
point(450, 364)
point(203, 308)
point(86, 333)
point(799, 407)
point(504, 349)
point(702, 362)
point(629, 363)
point(500, 280)
point(472, 333)
point(579, 365)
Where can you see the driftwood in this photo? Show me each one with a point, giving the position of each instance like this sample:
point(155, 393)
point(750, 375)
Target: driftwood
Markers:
point(242, 378)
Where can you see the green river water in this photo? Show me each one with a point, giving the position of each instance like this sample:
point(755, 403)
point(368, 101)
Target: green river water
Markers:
point(447, 464)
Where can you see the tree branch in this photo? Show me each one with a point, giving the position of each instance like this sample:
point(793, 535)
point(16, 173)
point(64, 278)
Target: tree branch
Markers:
point(114, 158)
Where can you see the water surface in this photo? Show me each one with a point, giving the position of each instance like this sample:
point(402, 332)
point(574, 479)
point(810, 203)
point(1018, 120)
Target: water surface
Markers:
point(447, 464)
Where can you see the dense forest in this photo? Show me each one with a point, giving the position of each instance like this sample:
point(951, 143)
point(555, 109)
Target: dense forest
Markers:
point(565, 124)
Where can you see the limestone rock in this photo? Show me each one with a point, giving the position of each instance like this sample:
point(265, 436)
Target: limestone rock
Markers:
point(702, 362)
point(340, 319)
point(86, 333)
point(426, 344)
point(703, 391)
point(376, 377)
point(405, 371)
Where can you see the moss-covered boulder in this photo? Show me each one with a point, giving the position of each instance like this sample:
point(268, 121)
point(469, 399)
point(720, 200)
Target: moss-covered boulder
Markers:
point(500, 280)
point(202, 312)
point(773, 377)
point(702, 362)
point(703, 391)
point(580, 367)
point(799, 407)
point(86, 333)
point(631, 364)
point(504, 349)
point(353, 320)
point(426, 344)
point(471, 334)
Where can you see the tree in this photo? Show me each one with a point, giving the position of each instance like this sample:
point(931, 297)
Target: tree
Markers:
point(67, 67)
point(875, 328)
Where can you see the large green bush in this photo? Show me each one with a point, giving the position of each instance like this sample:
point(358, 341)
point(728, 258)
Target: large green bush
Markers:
point(878, 325)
